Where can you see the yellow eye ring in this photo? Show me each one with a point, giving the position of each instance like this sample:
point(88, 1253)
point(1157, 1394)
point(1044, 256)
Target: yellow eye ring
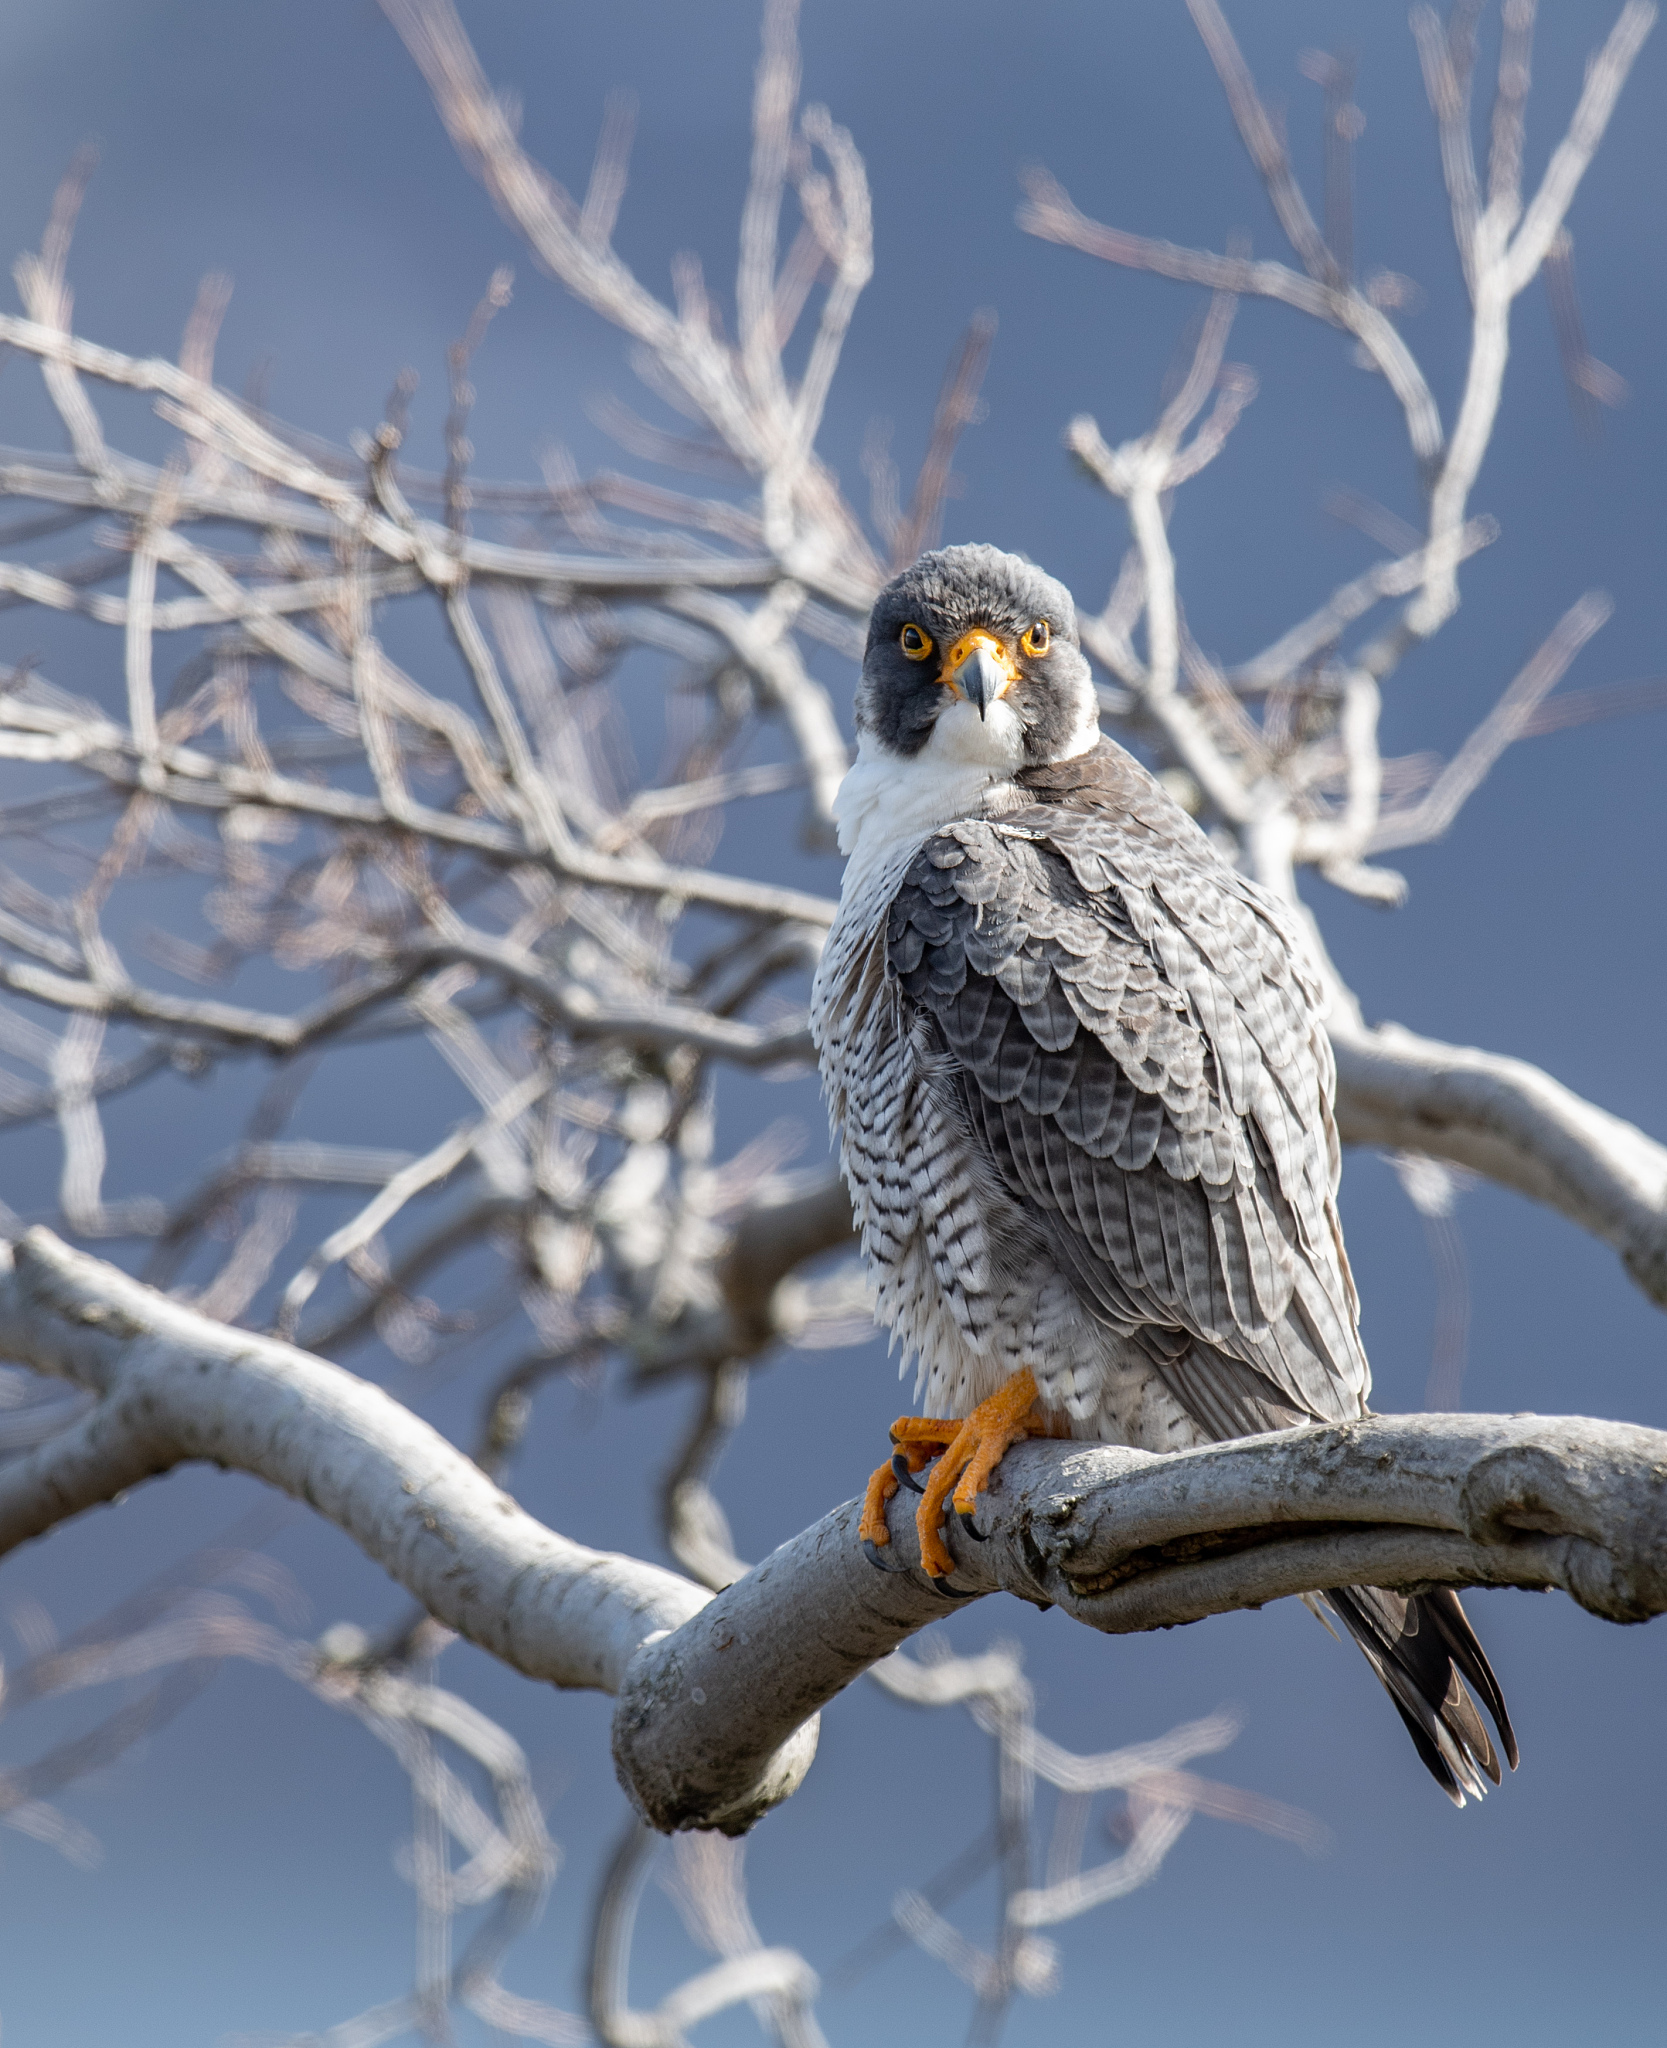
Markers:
point(915, 643)
point(1038, 637)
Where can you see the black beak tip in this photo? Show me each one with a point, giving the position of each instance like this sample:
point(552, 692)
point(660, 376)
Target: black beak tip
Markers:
point(981, 680)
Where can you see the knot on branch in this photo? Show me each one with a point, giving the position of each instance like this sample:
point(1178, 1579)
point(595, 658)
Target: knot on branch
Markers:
point(1574, 1501)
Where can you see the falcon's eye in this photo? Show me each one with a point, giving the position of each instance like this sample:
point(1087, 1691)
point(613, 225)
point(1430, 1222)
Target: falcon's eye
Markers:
point(914, 643)
point(1038, 638)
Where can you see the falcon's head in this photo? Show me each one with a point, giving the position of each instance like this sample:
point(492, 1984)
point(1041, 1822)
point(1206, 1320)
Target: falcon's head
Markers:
point(972, 660)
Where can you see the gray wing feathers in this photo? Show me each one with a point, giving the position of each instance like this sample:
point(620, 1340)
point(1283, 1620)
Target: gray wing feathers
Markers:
point(1135, 1031)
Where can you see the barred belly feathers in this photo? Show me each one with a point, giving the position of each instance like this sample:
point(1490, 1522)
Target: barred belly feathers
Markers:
point(1082, 1087)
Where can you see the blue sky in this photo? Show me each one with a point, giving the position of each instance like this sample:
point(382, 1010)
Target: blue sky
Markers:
point(246, 1885)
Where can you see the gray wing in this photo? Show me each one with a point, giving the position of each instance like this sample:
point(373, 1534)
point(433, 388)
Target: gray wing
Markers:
point(1138, 1052)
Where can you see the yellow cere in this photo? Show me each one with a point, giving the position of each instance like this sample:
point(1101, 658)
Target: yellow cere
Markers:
point(978, 637)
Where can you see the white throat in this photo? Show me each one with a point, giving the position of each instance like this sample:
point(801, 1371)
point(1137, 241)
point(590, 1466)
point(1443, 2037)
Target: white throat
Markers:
point(965, 768)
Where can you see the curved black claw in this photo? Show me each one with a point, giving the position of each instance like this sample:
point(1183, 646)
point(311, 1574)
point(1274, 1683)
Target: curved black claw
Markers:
point(945, 1591)
point(876, 1556)
point(968, 1521)
point(900, 1465)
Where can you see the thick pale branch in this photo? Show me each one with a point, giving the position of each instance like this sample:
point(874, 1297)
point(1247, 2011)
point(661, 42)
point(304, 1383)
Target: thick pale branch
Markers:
point(181, 1386)
point(1127, 1540)
point(1512, 1122)
point(717, 1698)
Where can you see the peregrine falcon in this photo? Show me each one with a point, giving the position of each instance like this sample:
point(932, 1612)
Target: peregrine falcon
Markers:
point(1083, 1093)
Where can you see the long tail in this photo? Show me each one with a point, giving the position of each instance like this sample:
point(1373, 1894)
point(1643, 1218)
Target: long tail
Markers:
point(1423, 1649)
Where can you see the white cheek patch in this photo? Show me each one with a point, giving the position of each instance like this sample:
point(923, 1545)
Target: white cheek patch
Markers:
point(1085, 734)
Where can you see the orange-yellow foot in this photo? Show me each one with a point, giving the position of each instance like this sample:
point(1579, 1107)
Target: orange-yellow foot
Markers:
point(971, 1450)
point(919, 1439)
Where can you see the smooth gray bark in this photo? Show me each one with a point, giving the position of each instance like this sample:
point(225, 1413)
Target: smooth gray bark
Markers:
point(718, 1695)
point(1512, 1122)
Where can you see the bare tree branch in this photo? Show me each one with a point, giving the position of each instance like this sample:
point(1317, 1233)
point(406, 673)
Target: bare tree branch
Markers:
point(1049, 213)
point(1508, 721)
point(716, 1718)
point(1512, 1122)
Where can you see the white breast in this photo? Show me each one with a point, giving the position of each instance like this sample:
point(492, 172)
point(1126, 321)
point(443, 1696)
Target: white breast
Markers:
point(889, 800)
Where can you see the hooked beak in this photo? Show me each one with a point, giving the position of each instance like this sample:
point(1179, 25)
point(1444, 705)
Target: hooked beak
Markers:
point(979, 669)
